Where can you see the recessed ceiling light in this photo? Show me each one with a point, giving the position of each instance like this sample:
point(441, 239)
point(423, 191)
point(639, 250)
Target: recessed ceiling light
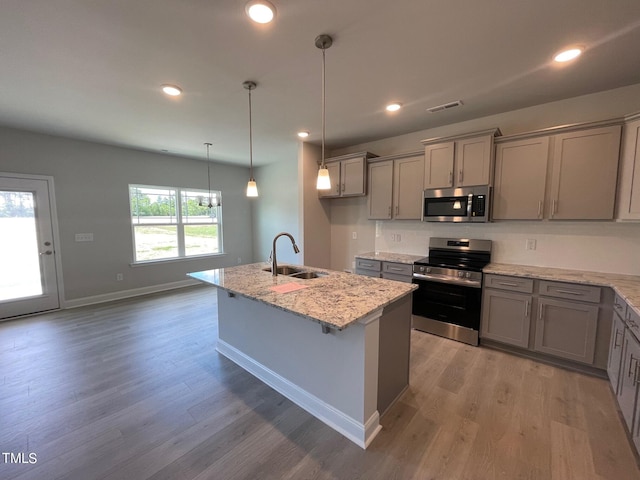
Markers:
point(303, 134)
point(394, 107)
point(260, 11)
point(172, 90)
point(569, 54)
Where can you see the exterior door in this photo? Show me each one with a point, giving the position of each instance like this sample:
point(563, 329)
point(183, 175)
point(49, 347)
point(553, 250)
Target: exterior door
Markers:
point(28, 280)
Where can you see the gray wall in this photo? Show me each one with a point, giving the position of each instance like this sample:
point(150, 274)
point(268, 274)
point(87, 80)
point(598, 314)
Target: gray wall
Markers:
point(276, 210)
point(91, 185)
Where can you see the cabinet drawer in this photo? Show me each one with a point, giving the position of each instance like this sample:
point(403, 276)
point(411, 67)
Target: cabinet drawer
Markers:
point(620, 306)
point(512, 284)
point(570, 291)
point(396, 277)
point(364, 264)
point(397, 268)
point(632, 320)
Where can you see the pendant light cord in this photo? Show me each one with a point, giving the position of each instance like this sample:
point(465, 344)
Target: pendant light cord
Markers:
point(323, 105)
point(250, 140)
point(209, 175)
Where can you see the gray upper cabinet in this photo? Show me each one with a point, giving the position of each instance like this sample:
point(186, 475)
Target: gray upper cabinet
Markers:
point(348, 175)
point(584, 174)
point(395, 187)
point(629, 180)
point(380, 202)
point(564, 173)
point(459, 161)
point(520, 179)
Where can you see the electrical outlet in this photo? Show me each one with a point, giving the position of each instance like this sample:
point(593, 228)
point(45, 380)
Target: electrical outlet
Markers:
point(531, 244)
point(354, 235)
point(239, 260)
point(398, 237)
point(119, 277)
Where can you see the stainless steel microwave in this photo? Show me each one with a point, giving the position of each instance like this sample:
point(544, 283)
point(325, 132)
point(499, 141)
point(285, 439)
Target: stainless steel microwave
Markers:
point(468, 204)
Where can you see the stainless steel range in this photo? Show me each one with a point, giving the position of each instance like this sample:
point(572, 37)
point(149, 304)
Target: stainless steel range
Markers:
point(448, 300)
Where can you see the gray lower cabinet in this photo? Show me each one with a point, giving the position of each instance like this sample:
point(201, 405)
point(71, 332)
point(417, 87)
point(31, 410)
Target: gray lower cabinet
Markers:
point(615, 350)
point(370, 268)
point(506, 314)
point(566, 329)
point(629, 379)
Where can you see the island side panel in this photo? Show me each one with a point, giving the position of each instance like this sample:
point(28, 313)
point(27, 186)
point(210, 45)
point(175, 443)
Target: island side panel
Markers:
point(340, 369)
point(395, 345)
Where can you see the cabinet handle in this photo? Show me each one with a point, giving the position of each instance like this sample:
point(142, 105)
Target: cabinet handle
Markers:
point(397, 209)
point(526, 309)
point(337, 188)
point(540, 203)
point(636, 375)
point(554, 207)
point(615, 341)
point(617, 306)
point(389, 211)
point(460, 176)
point(395, 269)
point(540, 312)
point(634, 369)
point(366, 264)
point(570, 292)
point(507, 284)
point(450, 177)
point(343, 189)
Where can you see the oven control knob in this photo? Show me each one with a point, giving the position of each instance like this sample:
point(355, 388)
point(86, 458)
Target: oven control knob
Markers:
point(468, 274)
point(428, 269)
point(460, 274)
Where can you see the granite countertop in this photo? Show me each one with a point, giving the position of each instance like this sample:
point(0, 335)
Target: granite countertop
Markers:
point(627, 286)
point(336, 300)
point(391, 257)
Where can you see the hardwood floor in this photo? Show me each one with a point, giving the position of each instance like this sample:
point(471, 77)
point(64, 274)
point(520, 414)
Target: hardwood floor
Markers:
point(135, 390)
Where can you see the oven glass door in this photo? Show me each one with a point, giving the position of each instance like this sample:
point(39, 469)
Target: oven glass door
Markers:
point(446, 207)
point(450, 303)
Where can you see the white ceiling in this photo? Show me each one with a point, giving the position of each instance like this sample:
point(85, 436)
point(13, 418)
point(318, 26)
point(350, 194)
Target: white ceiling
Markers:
point(92, 69)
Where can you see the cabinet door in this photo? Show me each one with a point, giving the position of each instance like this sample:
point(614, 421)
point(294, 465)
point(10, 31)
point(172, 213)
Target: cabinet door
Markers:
point(473, 161)
point(615, 351)
point(407, 188)
point(352, 175)
point(438, 165)
point(584, 175)
point(566, 329)
point(380, 190)
point(506, 317)
point(629, 184)
point(629, 378)
point(334, 176)
point(520, 179)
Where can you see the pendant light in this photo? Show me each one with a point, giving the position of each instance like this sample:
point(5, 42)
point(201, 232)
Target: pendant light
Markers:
point(324, 181)
point(252, 188)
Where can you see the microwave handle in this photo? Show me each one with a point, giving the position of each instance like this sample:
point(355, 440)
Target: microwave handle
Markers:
point(470, 205)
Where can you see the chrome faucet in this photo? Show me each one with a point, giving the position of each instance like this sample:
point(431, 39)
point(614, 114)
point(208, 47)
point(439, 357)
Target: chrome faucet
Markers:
point(274, 262)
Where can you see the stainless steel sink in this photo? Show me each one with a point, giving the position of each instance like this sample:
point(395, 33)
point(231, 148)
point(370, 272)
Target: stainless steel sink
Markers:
point(284, 270)
point(308, 275)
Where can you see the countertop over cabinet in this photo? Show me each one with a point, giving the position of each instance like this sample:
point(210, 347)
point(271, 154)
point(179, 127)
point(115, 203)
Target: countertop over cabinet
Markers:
point(336, 299)
point(390, 257)
point(627, 286)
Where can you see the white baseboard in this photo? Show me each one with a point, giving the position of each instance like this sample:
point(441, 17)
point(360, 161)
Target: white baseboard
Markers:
point(359, 433)
point(134, 292)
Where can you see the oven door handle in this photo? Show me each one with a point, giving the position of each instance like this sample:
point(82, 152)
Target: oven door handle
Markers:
point(454, 281)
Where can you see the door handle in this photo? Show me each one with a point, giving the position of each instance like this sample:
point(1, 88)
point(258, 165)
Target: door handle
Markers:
point(48, 252)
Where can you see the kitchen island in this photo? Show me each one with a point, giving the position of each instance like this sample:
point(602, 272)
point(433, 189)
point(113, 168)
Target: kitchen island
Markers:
point(336, 345)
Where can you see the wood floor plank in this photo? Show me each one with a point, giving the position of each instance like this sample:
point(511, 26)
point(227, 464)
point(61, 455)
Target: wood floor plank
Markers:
point(134, 390)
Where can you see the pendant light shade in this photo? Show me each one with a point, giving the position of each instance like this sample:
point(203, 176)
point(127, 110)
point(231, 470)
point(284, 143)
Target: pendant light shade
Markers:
point(252, 188)
point(324, 181)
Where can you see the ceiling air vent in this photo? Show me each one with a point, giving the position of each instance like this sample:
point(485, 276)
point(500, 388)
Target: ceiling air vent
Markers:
point(446, 106)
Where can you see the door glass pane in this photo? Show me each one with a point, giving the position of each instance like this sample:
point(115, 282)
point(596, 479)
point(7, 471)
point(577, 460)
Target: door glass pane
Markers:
point(201, 239)
point(19, 256)
point(156, 241)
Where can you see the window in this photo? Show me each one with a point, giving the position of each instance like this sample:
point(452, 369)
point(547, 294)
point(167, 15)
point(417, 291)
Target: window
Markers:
point(171, 222)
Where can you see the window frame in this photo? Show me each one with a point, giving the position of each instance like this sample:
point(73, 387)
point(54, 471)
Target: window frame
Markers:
point(178, 222)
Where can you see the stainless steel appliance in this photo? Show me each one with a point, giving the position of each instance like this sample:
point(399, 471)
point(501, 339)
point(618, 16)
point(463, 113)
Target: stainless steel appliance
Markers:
point(448, 300)
point(469, 204)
